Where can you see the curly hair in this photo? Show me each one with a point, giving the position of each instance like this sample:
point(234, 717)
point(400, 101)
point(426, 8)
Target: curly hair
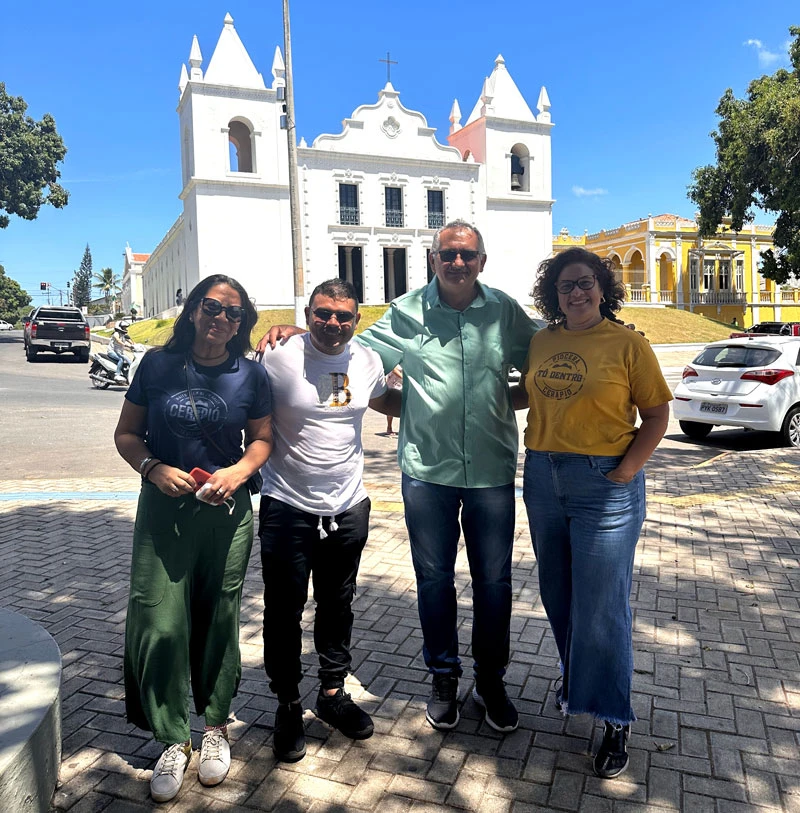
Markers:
point(183, 331)
point(545, 296)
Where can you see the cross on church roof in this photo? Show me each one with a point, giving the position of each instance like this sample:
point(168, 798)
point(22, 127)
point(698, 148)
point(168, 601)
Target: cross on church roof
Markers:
point(389, 62)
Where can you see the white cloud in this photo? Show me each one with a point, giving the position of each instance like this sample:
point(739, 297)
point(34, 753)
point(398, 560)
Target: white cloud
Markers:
point(581, 192)
point(766, 58)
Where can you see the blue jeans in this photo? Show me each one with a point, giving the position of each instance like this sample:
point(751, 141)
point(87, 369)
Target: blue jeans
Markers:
point(119, 359)
point(487, 519)
point(585, 529)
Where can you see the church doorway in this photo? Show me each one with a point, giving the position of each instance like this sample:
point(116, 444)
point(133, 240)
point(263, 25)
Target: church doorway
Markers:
point(351, 268)
point(395, 278)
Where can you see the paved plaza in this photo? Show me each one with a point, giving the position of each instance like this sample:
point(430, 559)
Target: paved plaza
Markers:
point(717, 682)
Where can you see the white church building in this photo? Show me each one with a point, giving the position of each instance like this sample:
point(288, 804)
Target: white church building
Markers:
point(371, 196)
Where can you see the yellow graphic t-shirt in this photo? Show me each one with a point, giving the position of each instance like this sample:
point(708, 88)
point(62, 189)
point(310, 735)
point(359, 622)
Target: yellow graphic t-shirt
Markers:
point(584, 387)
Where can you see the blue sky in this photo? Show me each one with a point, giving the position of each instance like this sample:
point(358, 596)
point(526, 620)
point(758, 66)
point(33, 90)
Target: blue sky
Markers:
point(633, 89)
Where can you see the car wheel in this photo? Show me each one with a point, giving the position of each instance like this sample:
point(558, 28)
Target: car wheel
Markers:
point(83, 356)
point(791, 427)
point(694, 430)
point(30, 353)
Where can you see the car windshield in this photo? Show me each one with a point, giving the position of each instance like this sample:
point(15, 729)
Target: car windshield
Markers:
point(736, 355)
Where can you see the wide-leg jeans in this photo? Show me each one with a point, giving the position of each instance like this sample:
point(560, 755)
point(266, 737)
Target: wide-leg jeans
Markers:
point(435, 517)
point(291, 554)
point(584, 529)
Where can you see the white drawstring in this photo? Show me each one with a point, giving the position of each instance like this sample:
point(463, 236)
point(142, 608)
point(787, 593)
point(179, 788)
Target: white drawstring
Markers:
point(332, 527)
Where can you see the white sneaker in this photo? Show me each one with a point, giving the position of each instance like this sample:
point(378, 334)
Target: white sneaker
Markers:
point(168, 774)
point(215, 757)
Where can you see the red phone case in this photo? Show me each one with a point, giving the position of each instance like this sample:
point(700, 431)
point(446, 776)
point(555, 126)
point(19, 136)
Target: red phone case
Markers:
point(200, 476)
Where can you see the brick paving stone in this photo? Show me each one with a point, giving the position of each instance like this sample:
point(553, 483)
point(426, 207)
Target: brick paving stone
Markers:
point(716, 604)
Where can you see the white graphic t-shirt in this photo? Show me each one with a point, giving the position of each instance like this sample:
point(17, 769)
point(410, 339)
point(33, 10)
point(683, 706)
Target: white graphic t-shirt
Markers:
point(319, 400)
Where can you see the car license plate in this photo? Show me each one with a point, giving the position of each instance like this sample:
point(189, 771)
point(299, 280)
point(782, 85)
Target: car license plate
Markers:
point(62, 344)
point(717, 409)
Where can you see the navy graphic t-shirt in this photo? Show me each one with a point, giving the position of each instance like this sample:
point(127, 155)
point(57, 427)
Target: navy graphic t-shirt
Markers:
point(226, 396)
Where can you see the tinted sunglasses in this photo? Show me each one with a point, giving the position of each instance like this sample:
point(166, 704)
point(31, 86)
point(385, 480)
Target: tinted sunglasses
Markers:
point(325, 315)
point(584, 283)
point(448, 255)
point(213, 307)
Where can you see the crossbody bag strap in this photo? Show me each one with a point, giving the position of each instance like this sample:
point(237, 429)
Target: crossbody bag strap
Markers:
point(197, 416)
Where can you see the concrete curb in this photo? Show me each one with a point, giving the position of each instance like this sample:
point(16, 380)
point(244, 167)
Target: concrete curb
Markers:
point(30, 714)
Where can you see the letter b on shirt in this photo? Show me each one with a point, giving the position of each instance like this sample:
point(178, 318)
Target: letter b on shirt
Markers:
point(333, 390)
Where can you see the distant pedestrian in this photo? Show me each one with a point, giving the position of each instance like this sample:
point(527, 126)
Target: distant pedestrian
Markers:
point(734, 322)
point(187, 408)
point(587, 377)
point(179, 297)
point(395, 382)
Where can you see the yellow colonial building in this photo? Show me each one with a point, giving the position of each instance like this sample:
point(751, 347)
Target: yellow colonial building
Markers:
point(664, 263)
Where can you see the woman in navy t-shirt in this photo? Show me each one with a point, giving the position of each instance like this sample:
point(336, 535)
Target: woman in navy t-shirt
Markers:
point(187, 408)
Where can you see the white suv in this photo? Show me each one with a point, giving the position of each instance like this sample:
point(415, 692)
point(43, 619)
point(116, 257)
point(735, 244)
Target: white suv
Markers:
point(751, 382)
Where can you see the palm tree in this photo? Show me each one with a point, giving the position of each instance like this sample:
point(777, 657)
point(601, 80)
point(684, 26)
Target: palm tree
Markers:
point(108, 282)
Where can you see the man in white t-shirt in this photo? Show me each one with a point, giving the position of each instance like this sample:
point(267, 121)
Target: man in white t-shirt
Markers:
point(314, 513)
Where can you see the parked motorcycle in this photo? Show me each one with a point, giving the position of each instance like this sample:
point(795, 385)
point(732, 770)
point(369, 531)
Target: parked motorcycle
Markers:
point(103, 372)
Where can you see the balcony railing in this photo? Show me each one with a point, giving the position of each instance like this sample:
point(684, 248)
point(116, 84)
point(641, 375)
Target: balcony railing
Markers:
point(718, 298)
point(394, 217)
point(637, 295)
point(666, 297)
point(348, 215)
point(435, 220)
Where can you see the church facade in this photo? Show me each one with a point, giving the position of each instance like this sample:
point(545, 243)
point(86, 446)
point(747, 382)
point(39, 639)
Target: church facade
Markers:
point(371, 196)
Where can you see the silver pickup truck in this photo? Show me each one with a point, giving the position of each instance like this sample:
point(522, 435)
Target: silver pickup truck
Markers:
point(57, 330)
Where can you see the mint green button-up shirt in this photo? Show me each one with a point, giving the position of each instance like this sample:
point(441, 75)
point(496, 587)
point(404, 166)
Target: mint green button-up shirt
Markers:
point(457, 426)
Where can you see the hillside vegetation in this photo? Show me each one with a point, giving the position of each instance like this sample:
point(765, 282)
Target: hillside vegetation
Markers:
point(660, 325)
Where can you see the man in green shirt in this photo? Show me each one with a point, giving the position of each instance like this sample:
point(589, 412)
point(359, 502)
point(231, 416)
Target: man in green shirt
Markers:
point(456, 340)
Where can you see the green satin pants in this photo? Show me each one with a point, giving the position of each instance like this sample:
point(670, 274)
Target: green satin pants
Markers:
point(187, 572)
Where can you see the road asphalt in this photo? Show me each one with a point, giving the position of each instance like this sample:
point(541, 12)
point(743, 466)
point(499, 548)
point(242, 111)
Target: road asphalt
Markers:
point(716, 610)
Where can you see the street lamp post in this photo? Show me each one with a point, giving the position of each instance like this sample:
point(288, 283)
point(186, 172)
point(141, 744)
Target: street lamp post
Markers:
point(294, 209)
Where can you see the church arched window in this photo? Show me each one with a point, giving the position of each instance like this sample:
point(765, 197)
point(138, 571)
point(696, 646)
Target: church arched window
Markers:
point(240, 146)
point(520, 169)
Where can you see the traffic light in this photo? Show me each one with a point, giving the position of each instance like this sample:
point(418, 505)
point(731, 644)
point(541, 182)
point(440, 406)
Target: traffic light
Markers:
point(43, 286)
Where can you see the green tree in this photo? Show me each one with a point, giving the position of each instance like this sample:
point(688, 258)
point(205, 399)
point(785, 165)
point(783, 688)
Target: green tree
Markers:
point(758, 164)
point(108, 283)
point(82, 281)
point(12, 298)
point(29, 152)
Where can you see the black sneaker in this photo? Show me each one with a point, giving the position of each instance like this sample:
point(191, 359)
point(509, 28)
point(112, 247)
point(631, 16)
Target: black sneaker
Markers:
point(612, 757)
point(289, 740)
point(500, 712)
point(442, 710)
point(342, 713)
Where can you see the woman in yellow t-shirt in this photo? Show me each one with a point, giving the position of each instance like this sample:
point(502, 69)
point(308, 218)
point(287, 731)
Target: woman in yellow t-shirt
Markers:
point(586, 378)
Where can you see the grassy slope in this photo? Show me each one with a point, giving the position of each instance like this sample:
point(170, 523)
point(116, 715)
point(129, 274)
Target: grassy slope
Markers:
point(669, 326)
point(157, 331)
point(660, 325)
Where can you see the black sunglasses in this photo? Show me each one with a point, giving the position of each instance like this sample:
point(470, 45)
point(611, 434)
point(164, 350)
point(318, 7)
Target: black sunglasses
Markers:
point(213, 307)
point(325, 315)
point(448, 255)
